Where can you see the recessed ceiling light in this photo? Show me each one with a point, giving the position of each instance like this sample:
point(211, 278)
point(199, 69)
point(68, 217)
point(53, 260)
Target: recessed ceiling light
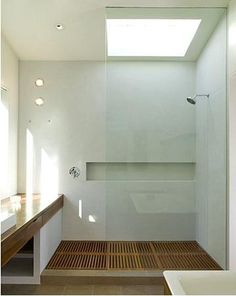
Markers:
point(150, 37)
point(39, 82)
point(39, 101)
point(59, 27)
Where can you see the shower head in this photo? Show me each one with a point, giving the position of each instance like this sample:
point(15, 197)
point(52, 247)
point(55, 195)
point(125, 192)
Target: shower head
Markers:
point(192, 100)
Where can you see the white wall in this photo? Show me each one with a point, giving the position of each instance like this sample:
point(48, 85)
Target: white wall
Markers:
point(232, 131)
point(148, 118)
point(50, 238)
point(9, 79)
point(74, 94)
point(211, 146)
point(143, 117)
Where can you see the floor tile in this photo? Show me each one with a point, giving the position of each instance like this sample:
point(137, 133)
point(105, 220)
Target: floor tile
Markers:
point(19, 289)
point(154, 290)
point(50, 290)
point(82, 289)
point(142, 290)
point(32, 290)
point(107, 290)
point(78, 290)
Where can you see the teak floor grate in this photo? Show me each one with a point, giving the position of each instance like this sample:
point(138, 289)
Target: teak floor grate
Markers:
point(103, 255)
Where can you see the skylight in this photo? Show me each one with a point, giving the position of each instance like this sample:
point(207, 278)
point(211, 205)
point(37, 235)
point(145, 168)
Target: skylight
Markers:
point(150, 37)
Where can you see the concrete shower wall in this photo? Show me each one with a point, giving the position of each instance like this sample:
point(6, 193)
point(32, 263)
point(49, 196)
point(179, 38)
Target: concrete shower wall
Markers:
point(149, 121)
point(135, 113)
point(211, 146)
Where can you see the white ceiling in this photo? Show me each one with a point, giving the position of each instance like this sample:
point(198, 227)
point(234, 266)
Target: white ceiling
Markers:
point(29, 25)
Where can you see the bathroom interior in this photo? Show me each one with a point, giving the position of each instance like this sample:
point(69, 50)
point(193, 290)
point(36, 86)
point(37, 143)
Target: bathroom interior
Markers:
point(117, 147)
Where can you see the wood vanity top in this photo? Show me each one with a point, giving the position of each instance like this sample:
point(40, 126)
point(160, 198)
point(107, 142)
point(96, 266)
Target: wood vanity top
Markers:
point(31, 214)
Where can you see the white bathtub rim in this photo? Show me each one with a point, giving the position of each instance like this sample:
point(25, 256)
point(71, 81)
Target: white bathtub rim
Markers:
point(174, 278)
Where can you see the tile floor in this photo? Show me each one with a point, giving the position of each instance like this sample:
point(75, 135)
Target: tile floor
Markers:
point(82, 289)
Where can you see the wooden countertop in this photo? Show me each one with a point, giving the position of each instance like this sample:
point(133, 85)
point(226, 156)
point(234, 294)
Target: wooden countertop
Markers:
point(26, 210)
point(31, 214)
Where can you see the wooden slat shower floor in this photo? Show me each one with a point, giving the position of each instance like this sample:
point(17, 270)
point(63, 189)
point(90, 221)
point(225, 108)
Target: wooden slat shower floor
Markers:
point(122, 255)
